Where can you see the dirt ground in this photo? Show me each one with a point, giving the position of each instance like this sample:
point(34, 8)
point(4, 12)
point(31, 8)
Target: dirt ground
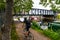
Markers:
point(37, 36)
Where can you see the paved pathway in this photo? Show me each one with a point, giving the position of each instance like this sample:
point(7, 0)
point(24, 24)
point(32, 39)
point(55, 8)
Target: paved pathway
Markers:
point(37, 36)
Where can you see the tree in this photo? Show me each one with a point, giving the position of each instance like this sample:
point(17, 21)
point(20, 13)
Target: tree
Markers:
point(8, 20)
point(21, 5)
point(8, 6)
point(54, 4)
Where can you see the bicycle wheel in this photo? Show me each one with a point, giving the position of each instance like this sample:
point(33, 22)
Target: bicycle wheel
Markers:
point(25, 38)
point(30, 36)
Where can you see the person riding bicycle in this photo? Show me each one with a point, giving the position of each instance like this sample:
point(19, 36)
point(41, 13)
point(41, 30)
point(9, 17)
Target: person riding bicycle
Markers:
point(27, 25)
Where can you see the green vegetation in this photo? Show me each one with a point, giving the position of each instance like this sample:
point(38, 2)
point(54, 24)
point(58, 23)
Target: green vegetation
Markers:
point(14, 35)
point(10, 7)
point(53, 35)
point(52, 4)
point(19, 5)
point(22, 5)
point(34, 24)
point(50, 33)
point(2, 5)
point(58, 17)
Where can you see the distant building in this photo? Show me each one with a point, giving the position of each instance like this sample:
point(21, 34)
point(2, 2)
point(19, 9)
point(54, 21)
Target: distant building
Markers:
point(43, 15)
point(40, 15)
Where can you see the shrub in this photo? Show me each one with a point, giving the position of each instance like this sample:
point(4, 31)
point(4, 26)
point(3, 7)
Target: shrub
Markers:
point(35, 25)
point(51, 34)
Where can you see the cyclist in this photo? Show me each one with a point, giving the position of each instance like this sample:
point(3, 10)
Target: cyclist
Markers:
point(27, 25)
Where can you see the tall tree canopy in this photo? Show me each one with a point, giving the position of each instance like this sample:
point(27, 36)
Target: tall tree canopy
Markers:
point(23, 4)
point(18, 5)
point(54, 4)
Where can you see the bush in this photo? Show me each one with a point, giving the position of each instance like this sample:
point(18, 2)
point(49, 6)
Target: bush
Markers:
point(53, 35)
point(35, 25)
point(59, 34)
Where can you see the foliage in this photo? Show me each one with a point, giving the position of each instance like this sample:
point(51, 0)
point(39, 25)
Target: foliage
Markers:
point(35, 25)
point(51, 34)
point(58, 17)
point(14, 35)
point(19, 5)
point(54, 4)
point(2, 4)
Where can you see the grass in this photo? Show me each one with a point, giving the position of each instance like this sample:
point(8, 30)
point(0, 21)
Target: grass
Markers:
point(49, 33)
point(14, 35)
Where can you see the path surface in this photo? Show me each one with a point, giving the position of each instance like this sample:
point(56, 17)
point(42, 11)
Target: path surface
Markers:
point(36, 35)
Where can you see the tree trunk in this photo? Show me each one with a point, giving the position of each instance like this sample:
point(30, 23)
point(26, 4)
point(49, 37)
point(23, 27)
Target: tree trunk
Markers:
point(6, 33)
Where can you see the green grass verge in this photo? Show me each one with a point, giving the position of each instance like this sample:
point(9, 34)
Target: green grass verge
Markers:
point(51, 34)
point(14, 35)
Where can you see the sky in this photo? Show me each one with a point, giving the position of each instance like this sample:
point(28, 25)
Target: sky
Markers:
point(37, 5)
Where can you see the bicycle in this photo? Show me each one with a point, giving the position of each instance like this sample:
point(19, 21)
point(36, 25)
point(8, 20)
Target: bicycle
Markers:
point(29, 35)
